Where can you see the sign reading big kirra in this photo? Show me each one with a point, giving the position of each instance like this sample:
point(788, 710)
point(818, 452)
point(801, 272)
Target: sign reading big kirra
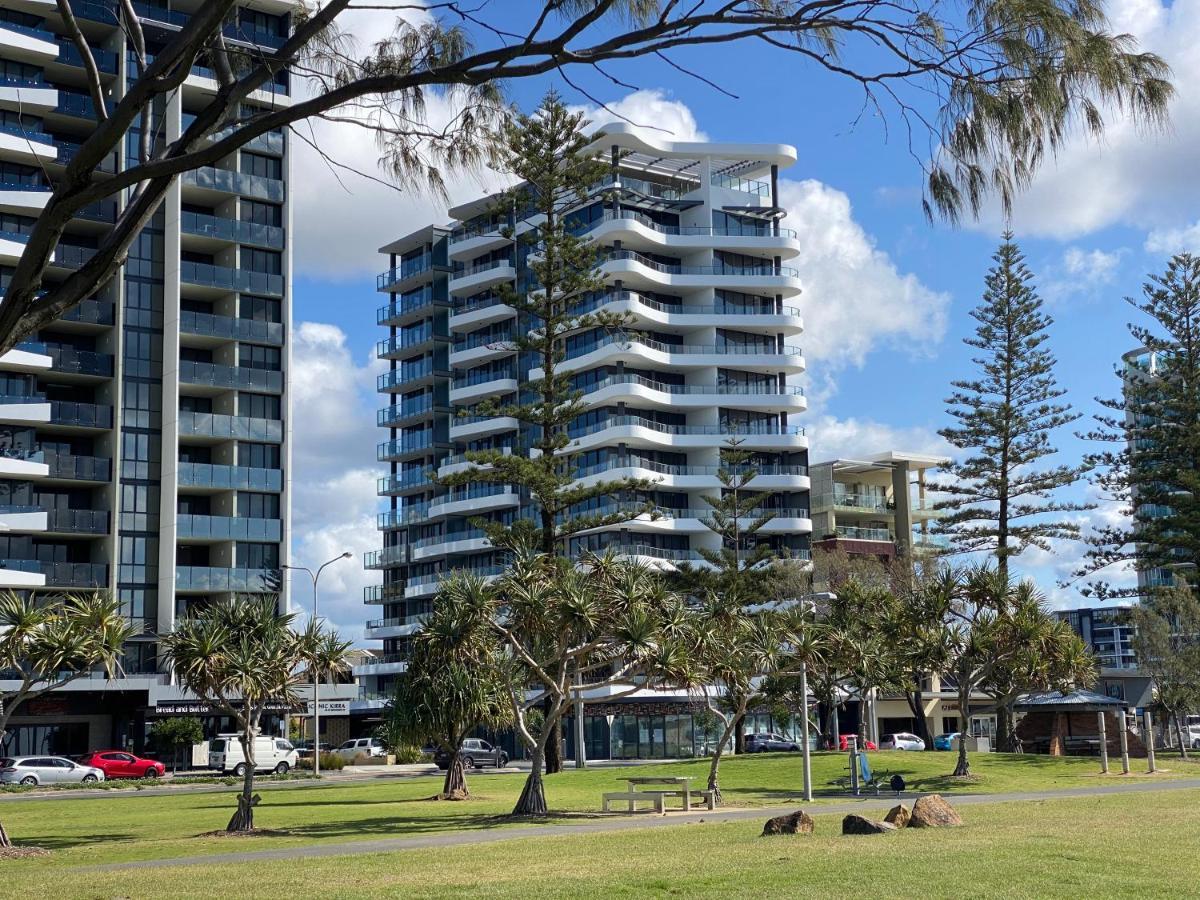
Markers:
point(329, 708)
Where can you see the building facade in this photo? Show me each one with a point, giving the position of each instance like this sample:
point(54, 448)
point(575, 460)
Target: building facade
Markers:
point(165, 436)
point(1108, 634)
point(692, 249)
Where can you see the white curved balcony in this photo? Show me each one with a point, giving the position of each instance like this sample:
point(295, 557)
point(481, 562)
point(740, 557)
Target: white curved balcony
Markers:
point(643, 391)
point(12, 578)
point(446, 545)
point(639, 231)
point(29, 99)
point(639, 351)
point(24, 466)
point(481, 277)
point(476, 353)
point(459, 463)
point(389, 628)
point(645, 310)
point(465, 393)
point(469, 428)
point(691, 521)
point(638, 271)
point(22, 198)
point(474, 502)
point(391, 664)
point(29, 147)
point(27, 44)
point(687, 477)
point(485, 313)
point(476, 242)
point(427, 585)
point(26, 519)
point(637, 431)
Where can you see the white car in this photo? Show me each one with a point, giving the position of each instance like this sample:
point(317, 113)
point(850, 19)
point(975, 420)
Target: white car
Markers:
point(901, 740)
point(271, 754)
point(367, 746)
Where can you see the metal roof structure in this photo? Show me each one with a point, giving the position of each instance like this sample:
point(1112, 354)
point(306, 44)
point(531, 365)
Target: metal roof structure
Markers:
point(1076, 701)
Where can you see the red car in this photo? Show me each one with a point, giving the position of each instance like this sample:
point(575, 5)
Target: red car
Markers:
point(119, 764)
point(844, 742)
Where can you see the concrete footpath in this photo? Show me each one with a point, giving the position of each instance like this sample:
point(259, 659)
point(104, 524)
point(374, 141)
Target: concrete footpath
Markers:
point(626, 823)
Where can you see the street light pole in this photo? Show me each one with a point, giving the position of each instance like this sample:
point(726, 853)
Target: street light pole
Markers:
point(316, 577)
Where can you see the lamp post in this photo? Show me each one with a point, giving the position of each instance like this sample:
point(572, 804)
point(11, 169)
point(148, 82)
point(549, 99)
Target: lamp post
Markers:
point(316, 577)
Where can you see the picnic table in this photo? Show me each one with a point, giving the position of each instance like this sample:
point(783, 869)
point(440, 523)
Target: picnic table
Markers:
point(656, 789)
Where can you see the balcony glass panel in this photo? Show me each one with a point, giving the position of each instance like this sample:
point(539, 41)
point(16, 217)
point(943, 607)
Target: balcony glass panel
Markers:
point(229, 376)
point(91, 312)
point(234, 329)
point(230, 279)
point(85, 415)
point(79, 468)
point(81, 362)
point(80, 521)
point(234, 478)
point(407, 269)
point(207, 578)
point(214, 179)
point(240, 427)
point(229, 528)
point(68, 53)
point(231, 230)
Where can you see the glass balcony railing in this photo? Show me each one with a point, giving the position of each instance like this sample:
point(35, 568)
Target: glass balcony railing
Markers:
point(403, 305)
point(763, 230)
point(473, 492)
point(74, 575)
point(77, 521)
point(84, 415)
point(852, 533)
point(272, 142)
point(402, 481)
point(24, 183)
point(749, 389)
point(230, 478)
point(742, 185)
point(32, 31)
point(721, 308)
point(407, 269)
point(78, 105)
point(71, 467)
point(406, 374)
point(398, 622)
point(470, 534)
point(91, 312)
point(495, 340)
point(766, 270)
point(624, 340)
point(81, 362)
point(483, 376)
point(387, 556)
point(27, 132)
point(383, 593)
point(213, 579)
point(234, 329)
point(256, 186)
point(244, 428)
point(68, 54)
point(385, 659)
point(228, 528)
point(230, 279)
point(232, 377)
point(225, 229)
point(72, 255)
point(410, 443)
point(637, 462)
point(731, 429)
point(67, 151)
point(405, 341)
point(404, 410)
point(488, 266)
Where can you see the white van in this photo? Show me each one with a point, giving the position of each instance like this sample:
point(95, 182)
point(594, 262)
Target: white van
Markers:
point(271, 754)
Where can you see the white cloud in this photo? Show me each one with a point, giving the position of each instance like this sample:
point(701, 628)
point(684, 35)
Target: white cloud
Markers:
point(652, 113)
point(1078, 272)
point(854, 438)
point(1130, 178)
point(333, 490)
point(854, 296)
point(1170, 241)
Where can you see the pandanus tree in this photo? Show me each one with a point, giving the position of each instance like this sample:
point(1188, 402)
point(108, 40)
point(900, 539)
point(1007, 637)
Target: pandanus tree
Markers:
point(453, 682)
point(244, 657)
point(558, 629)
point(47, 643)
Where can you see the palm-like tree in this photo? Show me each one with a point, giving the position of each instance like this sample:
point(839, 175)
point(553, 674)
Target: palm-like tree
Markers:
point(243, 656)
point(48, 643)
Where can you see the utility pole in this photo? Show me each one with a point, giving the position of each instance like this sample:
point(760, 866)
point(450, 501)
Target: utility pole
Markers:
point(316, 700)
point(804, 748)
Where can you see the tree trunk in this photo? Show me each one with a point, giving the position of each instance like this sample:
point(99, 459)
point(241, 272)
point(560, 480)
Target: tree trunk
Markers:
point(455, 785)
point(243, 819)
point(916, 704)
point(739, 735)
point(963, 768)
point(554, 760)
point(4, 841)
point(532, 801)
point(1182, 738)
point(1004, 731)
point(714, 782)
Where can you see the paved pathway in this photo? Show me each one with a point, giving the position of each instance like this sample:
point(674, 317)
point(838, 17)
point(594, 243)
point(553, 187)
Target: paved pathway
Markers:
point(625, 823)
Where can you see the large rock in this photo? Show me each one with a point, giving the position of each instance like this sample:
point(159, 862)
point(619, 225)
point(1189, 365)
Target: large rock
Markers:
point(898, 815)
point(798, 822)
point(933, 812)
point(853, 824)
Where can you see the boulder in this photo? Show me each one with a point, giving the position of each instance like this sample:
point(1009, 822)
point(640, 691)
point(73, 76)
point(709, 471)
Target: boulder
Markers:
point(853, 824)
point(933, 812)
point(798, 822)
point(898, 815)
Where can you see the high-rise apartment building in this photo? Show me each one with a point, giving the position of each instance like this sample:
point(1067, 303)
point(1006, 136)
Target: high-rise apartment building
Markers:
point(162, 456)
point(692, 248)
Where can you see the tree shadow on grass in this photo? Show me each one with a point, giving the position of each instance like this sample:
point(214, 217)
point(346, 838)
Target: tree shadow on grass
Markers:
point(65, 842)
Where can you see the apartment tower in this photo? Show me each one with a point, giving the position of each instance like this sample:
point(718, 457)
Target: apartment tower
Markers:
point(150, 426)
point(692, 249)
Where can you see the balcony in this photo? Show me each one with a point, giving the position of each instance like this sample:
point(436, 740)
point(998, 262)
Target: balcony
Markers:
point(394, 484)
point(77, 521)
point(672, 312)
point(405, 445)
point(91, 312)
point(75, 575)
point(386, 557)
point(80, 362)
point(865, 503)
point(628, 343)
point(230, 377)
point(474, 279)
point(389, 416)
point(69, 55)
point(399, 626)
point(406, 306)
point(230, 478)
point(376, 594)
point(228, 528)
point(852, 533)
point(69, 467)
point(758, 395)
point(227, 181)
point(404, 342)
point(211, 579)
point(229, 279)
point(222, 229)
point(741, 185)
point(385, 664)
point(410, 268)
point(728, 430)
point(230, 328)
point(221, 427)
point(81, 415)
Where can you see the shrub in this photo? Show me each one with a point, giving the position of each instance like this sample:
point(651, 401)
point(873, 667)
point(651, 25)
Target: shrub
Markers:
point(330, 762)
point(407, 754)
point(360, 759)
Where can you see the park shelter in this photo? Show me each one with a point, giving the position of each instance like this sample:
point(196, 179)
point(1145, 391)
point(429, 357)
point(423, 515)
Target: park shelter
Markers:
point(1068, 724)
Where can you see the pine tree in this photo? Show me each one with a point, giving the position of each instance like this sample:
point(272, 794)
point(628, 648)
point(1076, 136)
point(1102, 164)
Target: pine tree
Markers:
point(546, 153)
point(1154, 466)
point(999, 499)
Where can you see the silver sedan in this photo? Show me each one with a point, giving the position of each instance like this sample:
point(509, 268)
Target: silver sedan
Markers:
point(30, 770)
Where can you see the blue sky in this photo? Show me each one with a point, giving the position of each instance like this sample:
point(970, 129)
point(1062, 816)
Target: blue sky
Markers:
point(887, 293)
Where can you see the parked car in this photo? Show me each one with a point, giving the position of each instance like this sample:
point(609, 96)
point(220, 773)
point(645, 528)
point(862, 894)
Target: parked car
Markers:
point(844, 742)
point(769, 742)
point(271, 754)
point(119, 764)
point(46, 770)
point(945, 741)
point(475, 753)
point(367, 746)
point(901, 740)
point(304, 749)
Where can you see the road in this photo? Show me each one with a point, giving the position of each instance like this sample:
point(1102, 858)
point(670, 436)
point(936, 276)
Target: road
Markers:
point(625, 823)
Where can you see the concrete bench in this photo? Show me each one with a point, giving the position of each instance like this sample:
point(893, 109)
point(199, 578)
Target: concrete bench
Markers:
point(658, 798)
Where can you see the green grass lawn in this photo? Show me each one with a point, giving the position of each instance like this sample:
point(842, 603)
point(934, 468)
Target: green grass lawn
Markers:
point(117, 828)
point(1138, 845)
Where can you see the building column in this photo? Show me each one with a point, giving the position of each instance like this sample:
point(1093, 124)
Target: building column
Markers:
point(903, 516)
